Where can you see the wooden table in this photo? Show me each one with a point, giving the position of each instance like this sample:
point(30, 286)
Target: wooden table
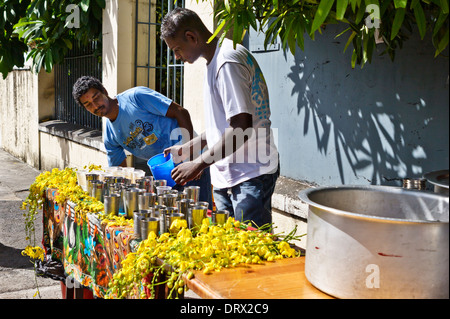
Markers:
point(283, 279)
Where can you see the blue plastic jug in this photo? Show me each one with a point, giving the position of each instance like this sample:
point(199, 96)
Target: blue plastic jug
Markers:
point(161, 167)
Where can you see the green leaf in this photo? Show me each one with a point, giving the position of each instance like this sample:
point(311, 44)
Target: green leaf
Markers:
point(251, 19)
point(321, 14)
point(68, 43)
point(420, 20)
point(341, 7)
point(413, 3)
point(354, 57)
point(227, 6)
point(442, 44)
point(101, 3)
point(353, 5)
point(342, 33)
point(440, 21)
point(291, 41)
point(219, 28)
point(44, 33)
point(97, 12)
point(350, 39)
point(48, 61)
point(237, 33)
point(398, 21)
point(360, 14)
point(299, 30)
point(401, 4)
point(84, 4)
point(444, 6)
point(370, 48)
point(37, 61)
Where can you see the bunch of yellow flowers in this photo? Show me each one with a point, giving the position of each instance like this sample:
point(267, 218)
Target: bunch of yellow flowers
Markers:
point(211, 248)
point(33, 252)
point(65, 181)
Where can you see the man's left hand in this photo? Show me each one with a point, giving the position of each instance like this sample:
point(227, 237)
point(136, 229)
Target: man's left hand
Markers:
point(186, 172)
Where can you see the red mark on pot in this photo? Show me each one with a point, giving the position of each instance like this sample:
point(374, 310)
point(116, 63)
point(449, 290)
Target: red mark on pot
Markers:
point(387, 255)
point(316, 247)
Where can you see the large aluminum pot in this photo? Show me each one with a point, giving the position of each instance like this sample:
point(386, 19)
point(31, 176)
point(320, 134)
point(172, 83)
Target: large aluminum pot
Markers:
point(377, 242)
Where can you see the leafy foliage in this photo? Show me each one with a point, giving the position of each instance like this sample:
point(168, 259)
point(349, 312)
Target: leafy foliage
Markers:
point(292, 19)
point(11, 48)
point(44, 31)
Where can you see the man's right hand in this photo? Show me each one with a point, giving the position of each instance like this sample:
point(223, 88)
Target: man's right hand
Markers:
point(178, 155)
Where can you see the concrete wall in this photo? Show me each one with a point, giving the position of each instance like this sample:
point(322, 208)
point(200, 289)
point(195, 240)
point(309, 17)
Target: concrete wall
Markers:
point(194, 73)
point(19, 115)
point(26, 129)
point(118, 46)
point(338, 125)
point(63, 144)
point(60, 153)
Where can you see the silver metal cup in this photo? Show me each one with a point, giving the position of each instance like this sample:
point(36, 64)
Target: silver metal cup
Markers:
point(149, 184)
point(138, 216)
point(204, 204)
point(192, 192)
point(90, 183)
point(160, 190)
point(148, 225)
point(92, 176)
point(183, 206)
point(168, 200)
point(169, 212)
point(189, 203)
point(220, 217)
point(108, 186)
point(130, 201)
point(146, 200)
point(171, 200)
point(113, 188)
point(182, 195)
point(157, 209)
point(160, 182)
point(161, 199)
point(160, 211)
point(97, 190)
point(172, 210)
point(139, 182)
point(146, 212)
point(111, 204)
point(197, 214)
point(119, 179)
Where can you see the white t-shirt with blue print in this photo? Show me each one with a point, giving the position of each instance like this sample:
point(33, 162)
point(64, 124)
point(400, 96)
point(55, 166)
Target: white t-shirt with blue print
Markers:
point(141, 126)
point(234, 84)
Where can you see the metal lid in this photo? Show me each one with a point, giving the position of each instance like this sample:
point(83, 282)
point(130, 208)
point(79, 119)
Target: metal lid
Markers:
point(439, 178)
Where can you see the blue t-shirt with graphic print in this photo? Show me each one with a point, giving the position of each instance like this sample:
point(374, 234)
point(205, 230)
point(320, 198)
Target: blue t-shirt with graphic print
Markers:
point(141, 126)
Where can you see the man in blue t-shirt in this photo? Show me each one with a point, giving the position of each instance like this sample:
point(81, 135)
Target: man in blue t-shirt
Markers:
point(139, 120)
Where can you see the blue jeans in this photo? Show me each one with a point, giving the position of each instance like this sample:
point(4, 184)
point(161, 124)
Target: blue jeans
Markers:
point(205, 187)
point(250, 200)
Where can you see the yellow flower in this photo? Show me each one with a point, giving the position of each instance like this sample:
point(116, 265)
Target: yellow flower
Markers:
point(33, 252)
point(177, 225)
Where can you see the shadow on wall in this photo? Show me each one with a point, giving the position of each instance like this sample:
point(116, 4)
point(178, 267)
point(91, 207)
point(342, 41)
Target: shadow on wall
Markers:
point(386, 121)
